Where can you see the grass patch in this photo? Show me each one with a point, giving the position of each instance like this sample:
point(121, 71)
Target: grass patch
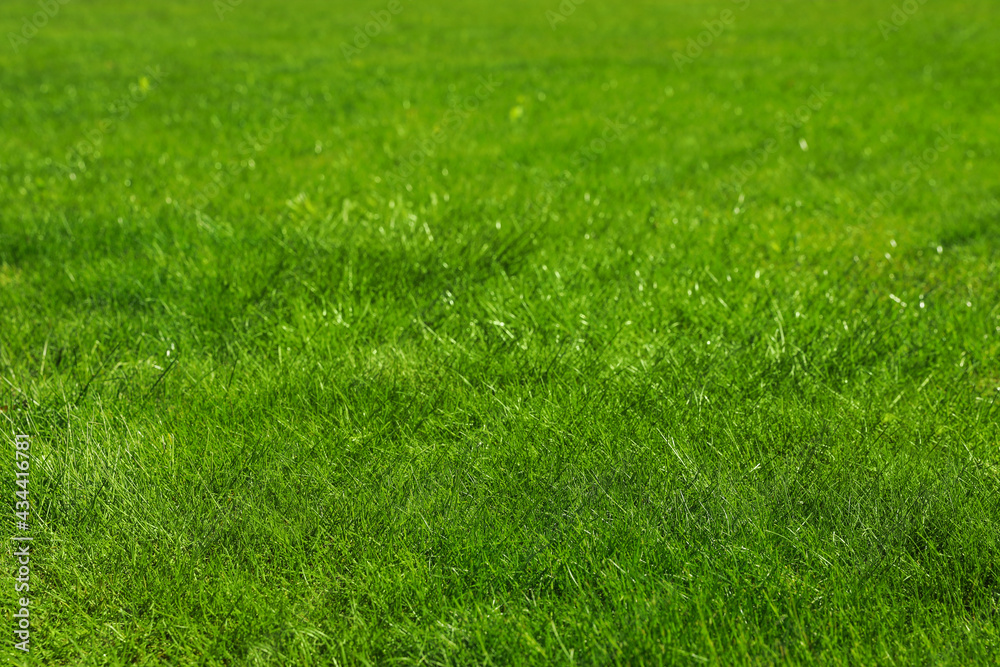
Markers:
point(499, 343)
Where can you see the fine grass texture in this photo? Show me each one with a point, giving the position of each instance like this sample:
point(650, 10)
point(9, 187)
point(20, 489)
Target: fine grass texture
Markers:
point(504, 339)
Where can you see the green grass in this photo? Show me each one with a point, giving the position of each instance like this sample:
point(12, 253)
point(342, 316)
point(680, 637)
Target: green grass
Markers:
point(536, 400)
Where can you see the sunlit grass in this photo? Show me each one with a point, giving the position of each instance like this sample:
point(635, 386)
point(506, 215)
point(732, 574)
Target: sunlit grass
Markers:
point(391, 383)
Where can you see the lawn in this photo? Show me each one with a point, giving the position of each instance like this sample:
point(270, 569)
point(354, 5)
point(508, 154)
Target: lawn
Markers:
point(500, 333)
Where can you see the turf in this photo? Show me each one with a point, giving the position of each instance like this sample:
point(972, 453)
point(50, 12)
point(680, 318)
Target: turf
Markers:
point(504, 339)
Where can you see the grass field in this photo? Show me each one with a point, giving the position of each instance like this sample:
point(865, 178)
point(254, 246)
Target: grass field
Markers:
point(643, 333)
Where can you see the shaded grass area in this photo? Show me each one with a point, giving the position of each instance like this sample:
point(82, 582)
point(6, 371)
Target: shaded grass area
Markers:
point(533, 402)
